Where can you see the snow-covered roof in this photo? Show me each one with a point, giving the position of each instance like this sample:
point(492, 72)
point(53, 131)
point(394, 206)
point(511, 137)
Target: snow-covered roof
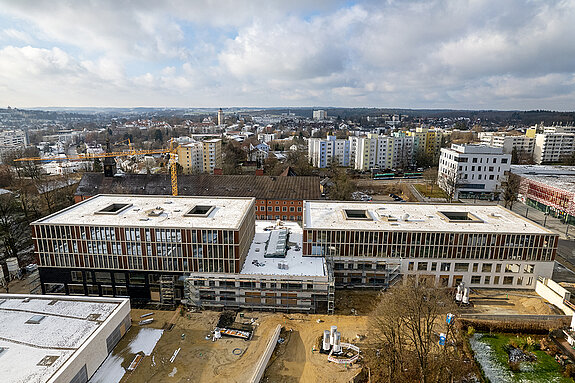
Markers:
point(416, 217)
point(39, 333)
point(561, 177)
point(294, 263)
point(154, 211)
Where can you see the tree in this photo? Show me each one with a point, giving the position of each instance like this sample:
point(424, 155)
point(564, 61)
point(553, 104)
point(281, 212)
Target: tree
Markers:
point(430, 178)
point(158, 135)
point(449, 183)
point(97, 165)
point(13, 228)
point(405, 346)
point(233, 156)
point(510, 189)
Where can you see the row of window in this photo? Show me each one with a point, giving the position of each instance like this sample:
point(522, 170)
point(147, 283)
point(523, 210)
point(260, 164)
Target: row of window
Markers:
point(475, 267)
point(283, 217)
point(277, 208)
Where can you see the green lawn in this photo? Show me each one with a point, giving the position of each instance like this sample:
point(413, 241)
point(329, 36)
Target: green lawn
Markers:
point(425, 191)
point(544, 370)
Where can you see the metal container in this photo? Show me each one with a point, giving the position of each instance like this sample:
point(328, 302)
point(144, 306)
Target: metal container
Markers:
point(13, 266)
point(332, 332)
point(337, 343)
point(326, 341)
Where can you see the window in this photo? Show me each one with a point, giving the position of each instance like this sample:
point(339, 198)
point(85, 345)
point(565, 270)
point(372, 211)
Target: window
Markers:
point(498, 268)
point(284, 208)
point(486, 267)
point(357, 214)
point(93, 290)
point(103, 277)
point(77, 276)
point(456, 216)
point(107, 291)
point(504, 160)
point(114, 208)
point(277, 208)
point(507, 280)
point(410, 266)
point(120, 278)
point(270, 208)
point(528, 269)
point(292, 208)
point(475, 267)
point(299, 208)
point(422, 266)
point(512, 268)
point(486, 280)
point(461, 267)
point(76, 289)
point(200, 211)
point(520, 281)
point(496, 280)
point(137, 279)
point(475, 160)
point(476, 279)
point(445, 266)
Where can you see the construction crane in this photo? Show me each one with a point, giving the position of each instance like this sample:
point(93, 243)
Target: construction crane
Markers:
point(172, 150)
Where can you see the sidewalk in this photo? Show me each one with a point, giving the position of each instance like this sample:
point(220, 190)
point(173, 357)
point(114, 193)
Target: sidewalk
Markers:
point(565, 231)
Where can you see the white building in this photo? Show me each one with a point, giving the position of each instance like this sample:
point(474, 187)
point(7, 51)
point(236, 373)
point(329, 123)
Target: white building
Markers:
point(553, 147)
point(57, 338)
point(474, 170)
point(191, 157)
point(507, 142)
point(322, 151)
point(380, 151)
point(319, 115)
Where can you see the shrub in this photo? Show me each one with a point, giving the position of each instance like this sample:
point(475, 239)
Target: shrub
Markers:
point(470, 331)
point(515, 366)
point(569, 371)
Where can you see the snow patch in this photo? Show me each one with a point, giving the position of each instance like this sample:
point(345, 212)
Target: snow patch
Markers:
point(111, 371)
point(145, 341)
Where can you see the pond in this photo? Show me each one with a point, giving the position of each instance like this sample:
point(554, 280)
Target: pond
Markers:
point(490, 353)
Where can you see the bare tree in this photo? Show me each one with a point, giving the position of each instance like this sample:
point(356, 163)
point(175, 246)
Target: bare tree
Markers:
point(406, 325)
point(510, 189)
point(430, 178)
point(449, 182)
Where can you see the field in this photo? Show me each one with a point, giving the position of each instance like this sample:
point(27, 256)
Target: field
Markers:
point(425, 191)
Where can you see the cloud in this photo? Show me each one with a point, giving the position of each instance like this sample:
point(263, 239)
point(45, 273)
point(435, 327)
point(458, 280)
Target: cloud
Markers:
point(440, 53)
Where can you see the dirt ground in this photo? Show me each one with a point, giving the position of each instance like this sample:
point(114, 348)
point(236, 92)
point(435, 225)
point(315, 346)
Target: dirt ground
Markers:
point(295, 361)
point(510, 302)
point(201, 360)
point(380, 189)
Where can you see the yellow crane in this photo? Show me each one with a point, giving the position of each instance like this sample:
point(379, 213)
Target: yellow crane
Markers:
point(172, 150)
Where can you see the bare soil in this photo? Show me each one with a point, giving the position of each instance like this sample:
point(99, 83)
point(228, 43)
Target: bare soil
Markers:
point(380, 189)
point(201, 360)
point(512, 302)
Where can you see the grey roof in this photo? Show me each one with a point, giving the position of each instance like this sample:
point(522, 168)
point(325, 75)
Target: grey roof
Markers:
point(259, 187)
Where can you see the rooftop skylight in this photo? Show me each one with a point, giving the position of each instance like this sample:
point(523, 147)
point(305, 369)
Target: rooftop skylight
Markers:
point(114, 208)
point(200, 211)
point(357, 214)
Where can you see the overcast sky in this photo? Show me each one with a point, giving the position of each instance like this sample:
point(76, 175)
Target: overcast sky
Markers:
point(471, 54)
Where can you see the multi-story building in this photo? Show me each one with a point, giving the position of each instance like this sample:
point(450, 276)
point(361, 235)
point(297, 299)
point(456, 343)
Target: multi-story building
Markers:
point(381, 151)
point(141, 246)
point(475, 171)
point(191, 157)
point(550, 189)
point(553, 147)
point(276, 197)
point(483, 246)
point(221, 120)
point(12, 138)
point(508, 142)
point(319, 115)
point(58, 339)
point(162, 249)
point(323, 151)
point(212, 152)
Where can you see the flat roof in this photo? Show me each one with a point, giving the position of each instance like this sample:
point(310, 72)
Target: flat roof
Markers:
point(34, 352)
point(297, 264)
point(154, 211)
point(561, 177)
point(416, 217)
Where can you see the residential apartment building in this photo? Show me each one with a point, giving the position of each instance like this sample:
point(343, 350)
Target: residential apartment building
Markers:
point(372, 244)
point(191, 157)
point(319, 115)
point(323, 151)
point(11, 140)
point(553, 147)
point(426, 142)
point(381, 151)
point(508, 142)
point(212, 152)
point(475, 171)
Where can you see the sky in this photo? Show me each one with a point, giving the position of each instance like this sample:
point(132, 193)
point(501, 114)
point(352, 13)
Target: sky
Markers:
point(459, 54)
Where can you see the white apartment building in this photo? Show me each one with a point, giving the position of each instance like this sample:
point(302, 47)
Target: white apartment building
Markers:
point(507, 142)
point(386, 152)
point(553, 147)
point(212, 154)
point(477, 170)
point(322, 151)
point(12, 138)
point(319, 115)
